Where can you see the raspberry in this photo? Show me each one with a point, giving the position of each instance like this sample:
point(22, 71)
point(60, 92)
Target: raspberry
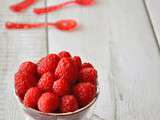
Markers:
point(48, 102)
point(66, 69)
point(31, 97)
point(23, 81)
point(86, 65)
point(85, 92)
point(77, 62)
point(88, 75)
point(61, 87)
point(48, 64)
point(63, 54)
point(46, 82)
point(69, 103)
point(28, 67)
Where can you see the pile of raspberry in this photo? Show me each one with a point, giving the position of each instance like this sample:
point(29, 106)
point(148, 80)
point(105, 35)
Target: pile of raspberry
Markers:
point(57, 83)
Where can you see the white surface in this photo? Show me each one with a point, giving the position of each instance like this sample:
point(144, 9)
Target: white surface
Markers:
point(115, 36)
point(135, 62)
point(15, 47)
point(154, 8)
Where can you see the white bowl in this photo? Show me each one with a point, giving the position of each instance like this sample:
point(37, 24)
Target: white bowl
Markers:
point(76, 115)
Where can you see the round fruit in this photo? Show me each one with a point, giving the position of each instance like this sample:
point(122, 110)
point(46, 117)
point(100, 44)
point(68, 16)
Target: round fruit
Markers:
point(63, 54)
point(66, 69)
point(23, 81)
point(31, 97)
point(47, 64)
point(85, 92)
point(69, 103)
point(61, 87)
point(28, 67)
point(86, 65)
point(88, 75)
point(48, 102)
point(77, 62)
point(46, 82)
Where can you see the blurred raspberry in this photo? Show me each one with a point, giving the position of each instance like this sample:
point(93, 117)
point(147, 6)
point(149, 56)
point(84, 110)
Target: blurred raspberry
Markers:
point(48, 102)
point(61, 87)
point(85, 92)
point(23, 81)
point(47, 64)
point(88, 75)
point(86, 65)
point(63, 54)
point(31, 97)
point(46, 82)
point(66, 69)
point(69, 103)
point(28, 67)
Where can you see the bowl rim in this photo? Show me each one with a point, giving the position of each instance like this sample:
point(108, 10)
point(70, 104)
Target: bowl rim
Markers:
point(62, 114)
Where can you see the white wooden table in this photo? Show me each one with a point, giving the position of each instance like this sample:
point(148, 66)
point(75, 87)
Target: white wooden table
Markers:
point(119, 36)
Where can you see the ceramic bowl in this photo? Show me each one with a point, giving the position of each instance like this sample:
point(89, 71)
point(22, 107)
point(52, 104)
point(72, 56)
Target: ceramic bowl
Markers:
point(76, 115)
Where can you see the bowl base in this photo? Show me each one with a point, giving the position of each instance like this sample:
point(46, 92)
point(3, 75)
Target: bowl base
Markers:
point(93, 117)
point(29, 118)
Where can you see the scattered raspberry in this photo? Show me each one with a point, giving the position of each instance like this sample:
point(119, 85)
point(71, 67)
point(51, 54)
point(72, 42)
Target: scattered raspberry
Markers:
point(77, 62)
point(28, 67)
point(46, 82)
point(31, 97)
point(69, 103)
point(48, 64)
point(61, 87)
point(86, 65)
point(63, 54)
point(88, 75)
point(66, 69)
point(23, 81)
point(85, 92)
point(48, 102)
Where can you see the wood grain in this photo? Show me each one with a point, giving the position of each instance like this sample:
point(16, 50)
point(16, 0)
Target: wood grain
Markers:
point(134, 61)
point(117, 38)
point(15, 47)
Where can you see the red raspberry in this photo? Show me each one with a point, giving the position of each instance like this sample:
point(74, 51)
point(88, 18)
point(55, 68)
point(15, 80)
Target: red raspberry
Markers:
point(85, 92)
point(63, 54)
point(31, 97)
point(39, 61)
point(86, 65)
point(46, 82)
point(77, 62)
point(48, 64)
point(48, 102)
point(66, 69)
point(88, 75)
point(61, 87)
point(23, 81)
point(69, 103)
point(28, 67)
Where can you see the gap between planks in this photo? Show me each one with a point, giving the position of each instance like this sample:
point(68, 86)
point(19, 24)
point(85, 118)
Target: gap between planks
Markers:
point(46, 29)
point(151, 24)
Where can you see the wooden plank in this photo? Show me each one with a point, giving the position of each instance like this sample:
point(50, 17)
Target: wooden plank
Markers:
point(15, 47)
point(90, 41)
point(134, 63)
point(117, 37)
point(153, 9)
